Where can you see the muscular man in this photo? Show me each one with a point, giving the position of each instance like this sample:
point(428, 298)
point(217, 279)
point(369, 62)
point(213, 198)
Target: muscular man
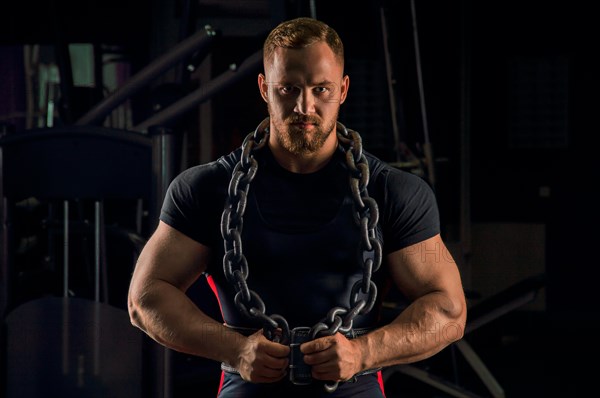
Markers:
point(299, 244)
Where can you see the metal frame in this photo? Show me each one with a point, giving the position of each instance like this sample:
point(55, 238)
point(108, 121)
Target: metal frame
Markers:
point(484, 312)
point(197, 43)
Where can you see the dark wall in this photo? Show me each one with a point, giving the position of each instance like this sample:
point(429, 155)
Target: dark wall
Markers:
point(47, 21)
point(534, 84)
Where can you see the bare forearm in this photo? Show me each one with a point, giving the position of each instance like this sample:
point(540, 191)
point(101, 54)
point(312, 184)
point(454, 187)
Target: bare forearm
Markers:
point(169, 317)
point(423, 329)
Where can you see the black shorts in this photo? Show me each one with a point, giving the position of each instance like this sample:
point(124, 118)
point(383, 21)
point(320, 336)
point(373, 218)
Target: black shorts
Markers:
point(366, 386)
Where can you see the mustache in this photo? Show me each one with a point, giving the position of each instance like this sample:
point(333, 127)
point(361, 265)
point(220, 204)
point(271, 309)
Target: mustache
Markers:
point(304, 119)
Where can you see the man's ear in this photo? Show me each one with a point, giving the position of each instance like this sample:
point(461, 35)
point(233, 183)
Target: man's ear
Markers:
point(344, 88)
point(263, 87)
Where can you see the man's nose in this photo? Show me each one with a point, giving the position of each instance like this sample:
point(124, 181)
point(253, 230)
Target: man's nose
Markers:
point(305, 103)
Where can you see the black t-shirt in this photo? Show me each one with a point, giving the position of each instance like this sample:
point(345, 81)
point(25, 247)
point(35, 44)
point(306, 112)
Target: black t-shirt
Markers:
point(299, 233)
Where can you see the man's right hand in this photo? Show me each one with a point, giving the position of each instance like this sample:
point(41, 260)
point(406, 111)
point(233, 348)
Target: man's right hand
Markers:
point(261, 360)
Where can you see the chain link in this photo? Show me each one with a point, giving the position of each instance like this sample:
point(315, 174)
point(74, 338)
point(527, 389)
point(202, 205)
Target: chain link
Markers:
point(366, 215)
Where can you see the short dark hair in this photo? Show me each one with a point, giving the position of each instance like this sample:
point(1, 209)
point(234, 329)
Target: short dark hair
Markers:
point(302, 32)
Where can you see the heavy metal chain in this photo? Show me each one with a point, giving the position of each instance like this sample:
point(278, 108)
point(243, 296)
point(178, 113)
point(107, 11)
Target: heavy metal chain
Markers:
point(366, 214)
point(235, 264)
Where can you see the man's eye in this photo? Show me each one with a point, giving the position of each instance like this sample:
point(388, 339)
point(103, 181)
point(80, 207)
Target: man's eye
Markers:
point(321, 90)
point(286, 89)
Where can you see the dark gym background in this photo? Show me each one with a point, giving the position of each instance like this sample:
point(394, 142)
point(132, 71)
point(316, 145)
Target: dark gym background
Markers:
point(508, 106)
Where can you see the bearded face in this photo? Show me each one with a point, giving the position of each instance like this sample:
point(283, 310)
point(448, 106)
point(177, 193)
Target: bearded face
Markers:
point(304, 89)
point(301, 135)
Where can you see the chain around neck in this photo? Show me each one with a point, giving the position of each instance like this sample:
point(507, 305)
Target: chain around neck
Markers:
point(366, 212)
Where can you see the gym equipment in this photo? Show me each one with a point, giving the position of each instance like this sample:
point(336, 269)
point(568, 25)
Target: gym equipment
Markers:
point(480, 314)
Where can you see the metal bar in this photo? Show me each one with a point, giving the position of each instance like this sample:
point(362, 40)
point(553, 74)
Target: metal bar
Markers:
point(419, 72)
point(97, 339)
point(103, 267)
point(202, 93)
point(205, 115)
point(164, 168)
point(427, 143)
point(168, 373)
point(66, 248)
point(430, 379)
point(390, 84)
point(65, 312)
point(65, 336)
point(501, 310)
point(465, 148)
point(97, 251)
point(5, 273)
point(479, 367)
point(197, 42)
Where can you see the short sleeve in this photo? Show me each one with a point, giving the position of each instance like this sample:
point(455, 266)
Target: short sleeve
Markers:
point(410, 211)
point(193, 203)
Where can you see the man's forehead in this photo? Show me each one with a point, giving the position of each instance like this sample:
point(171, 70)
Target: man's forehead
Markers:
point(303, 74)
point(318, 55)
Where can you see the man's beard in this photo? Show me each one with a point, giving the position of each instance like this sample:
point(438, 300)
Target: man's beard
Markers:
point(298, 141)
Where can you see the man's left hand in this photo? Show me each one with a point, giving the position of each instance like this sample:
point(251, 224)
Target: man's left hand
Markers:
point(333, 358)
